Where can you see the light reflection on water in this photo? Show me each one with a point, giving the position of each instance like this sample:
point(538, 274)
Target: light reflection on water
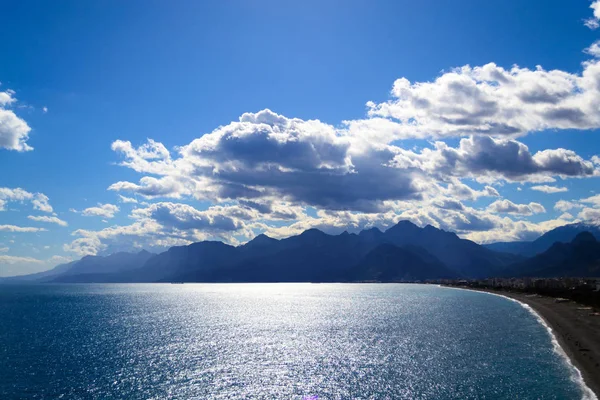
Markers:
point(272, 341)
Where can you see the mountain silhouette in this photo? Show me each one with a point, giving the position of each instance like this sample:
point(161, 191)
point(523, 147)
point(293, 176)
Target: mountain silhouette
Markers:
point(388, 263)
point(562, 234)
point(579, 258)
point(403, 252)
point(101, 269)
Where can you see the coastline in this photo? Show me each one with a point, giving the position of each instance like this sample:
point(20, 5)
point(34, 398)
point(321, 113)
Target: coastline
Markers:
point(569, 323)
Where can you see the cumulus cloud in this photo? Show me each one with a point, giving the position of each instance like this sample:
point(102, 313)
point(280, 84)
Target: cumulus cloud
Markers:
point(184, 216)
point(14, 131)
point(563, 205)
point(594, 21)
point(143, 234)
point(152, 157)
point(102, 210)
point(52, 220)
point(266, 155)
point(488, 159)
point(549, 189)
point(589, 214)
point(508, 207)
point(39, 201)
point(491, 100)
point(265, 168)
point(593, 50)
point(592, 200)
point(14, 228)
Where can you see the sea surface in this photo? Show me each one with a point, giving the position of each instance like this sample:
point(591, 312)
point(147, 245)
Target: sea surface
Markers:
point(273, 341)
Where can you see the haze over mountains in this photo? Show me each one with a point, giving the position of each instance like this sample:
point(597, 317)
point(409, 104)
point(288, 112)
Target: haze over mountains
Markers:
point(578, 258)
point(563, 234)
point(404, 252)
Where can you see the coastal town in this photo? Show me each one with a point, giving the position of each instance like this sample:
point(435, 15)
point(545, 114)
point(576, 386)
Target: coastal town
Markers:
point(581, 290)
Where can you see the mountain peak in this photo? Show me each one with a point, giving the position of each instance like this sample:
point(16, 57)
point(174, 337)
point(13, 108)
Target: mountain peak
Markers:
point(373, 231)
point(584, 237)
point(261, 239)
point(312, 232)
point(403, 224)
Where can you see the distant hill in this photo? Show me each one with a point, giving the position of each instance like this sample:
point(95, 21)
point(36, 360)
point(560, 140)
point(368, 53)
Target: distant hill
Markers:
point(40, 276)
point(562, 234)
point(579, 258)
point(88, 269)
point(404, 251)
point(101, 269)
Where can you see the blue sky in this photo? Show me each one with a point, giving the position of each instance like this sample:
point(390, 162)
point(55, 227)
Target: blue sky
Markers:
point(326, 140)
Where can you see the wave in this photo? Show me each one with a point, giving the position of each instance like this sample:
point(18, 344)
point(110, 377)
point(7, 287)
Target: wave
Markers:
point(576, 375)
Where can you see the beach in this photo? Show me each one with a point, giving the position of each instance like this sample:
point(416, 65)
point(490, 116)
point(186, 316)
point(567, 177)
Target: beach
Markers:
point(576, 329)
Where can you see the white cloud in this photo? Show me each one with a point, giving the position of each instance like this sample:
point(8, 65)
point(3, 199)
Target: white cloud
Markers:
point(151, 187)
point(52, 220)
point(102, 210)
point(490, 100)
point(14, 131)
point(130, 200)
point(566, 216)
point(549, 189)
point(594, 21)
point(184, 217)
point(589, 214)
point(13, 228)
point(488, 160)
point(152, 157)
point(266, 168)
point(563, 205)
point(17, 260)
point(44, 110)
point(507, 206)
point(39, 201)
point(593, 50)
point(143, 234)
point(592, 200)
point(266, 155)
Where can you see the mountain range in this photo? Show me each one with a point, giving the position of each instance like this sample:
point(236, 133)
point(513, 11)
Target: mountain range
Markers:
point(563, 234)
point(578, 258)
point(404, 252)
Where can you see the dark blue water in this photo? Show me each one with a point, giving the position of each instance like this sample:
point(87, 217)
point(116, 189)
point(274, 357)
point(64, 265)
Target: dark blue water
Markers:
point(273, 341)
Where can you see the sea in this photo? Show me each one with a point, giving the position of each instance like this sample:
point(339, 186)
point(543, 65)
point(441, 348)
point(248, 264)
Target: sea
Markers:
point(275, 341)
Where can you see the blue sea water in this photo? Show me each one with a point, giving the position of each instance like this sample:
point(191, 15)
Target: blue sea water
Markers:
point(273, 341)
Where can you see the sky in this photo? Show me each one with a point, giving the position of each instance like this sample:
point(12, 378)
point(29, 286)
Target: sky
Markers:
point(148, 124)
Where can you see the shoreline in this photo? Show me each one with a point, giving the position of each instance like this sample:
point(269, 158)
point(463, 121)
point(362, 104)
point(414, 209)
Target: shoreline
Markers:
point(569, 324)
